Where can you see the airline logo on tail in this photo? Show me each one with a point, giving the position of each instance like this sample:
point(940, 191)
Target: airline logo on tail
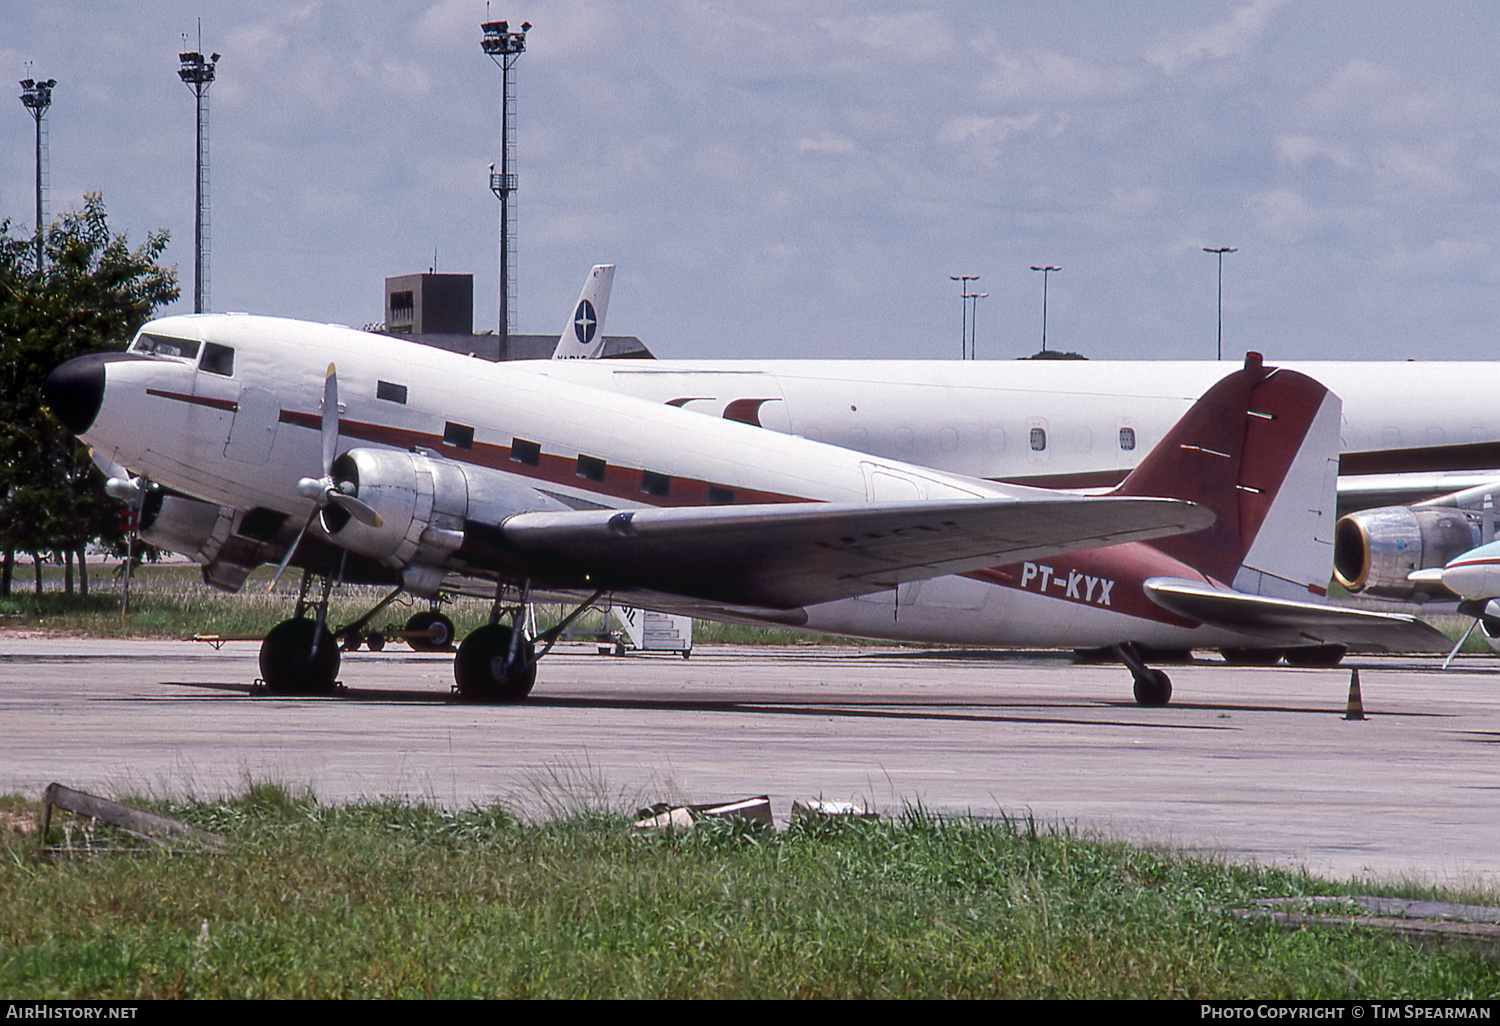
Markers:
point(583, 336)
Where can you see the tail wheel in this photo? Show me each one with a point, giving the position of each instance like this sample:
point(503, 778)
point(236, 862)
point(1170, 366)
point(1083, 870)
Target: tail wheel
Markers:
point(290, 666)
point(485, 671)
point(439, 631)
point(1153, 687)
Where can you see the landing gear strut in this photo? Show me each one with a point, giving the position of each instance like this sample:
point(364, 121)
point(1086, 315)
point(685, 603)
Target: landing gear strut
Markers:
point(497, 663)
point(300, 656)
point(1152, 687)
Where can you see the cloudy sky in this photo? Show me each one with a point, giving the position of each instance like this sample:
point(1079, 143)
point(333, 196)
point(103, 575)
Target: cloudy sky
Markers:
point(780, 178)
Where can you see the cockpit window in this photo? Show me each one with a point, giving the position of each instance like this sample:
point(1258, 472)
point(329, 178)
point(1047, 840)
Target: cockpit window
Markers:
point(217, 359)
point(165, 345)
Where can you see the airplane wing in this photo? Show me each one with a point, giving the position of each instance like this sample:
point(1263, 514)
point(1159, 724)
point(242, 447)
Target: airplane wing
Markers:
point(1304, 623)
point(794, 554)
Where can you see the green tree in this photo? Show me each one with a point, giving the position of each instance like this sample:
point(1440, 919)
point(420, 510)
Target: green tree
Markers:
point(91, 295)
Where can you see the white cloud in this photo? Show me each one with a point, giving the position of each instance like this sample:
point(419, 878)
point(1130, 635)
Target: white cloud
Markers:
point(1300, 150)
point(825, 143)
point(1230, 38)
point(1285, 213)
point(1045, 75)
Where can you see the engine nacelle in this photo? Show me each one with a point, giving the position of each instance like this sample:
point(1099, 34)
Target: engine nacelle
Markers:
point(186, 526)
point(1375, 549)
point(424, 504)
point(228, 544)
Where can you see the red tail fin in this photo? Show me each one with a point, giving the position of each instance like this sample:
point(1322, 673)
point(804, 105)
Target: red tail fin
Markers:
point(1230, 452)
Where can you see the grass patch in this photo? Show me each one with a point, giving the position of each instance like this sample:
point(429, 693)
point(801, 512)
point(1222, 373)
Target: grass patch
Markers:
point(173, 602)
point(396, 900)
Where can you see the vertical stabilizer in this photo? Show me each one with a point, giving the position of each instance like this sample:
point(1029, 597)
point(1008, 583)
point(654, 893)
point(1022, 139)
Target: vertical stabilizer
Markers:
point(582, 337)
point(1261, 450)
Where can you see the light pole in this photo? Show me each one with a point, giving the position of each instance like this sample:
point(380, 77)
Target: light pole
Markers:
point(1046, 272)
point(1219, 252)
point(964, 297)
point(505, 48)
point(197, 73)
point(974, 323)
point(37, 97)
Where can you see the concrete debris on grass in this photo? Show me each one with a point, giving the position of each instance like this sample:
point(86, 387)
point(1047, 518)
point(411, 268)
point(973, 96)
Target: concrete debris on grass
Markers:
point(679, 818)
point(1421, 922)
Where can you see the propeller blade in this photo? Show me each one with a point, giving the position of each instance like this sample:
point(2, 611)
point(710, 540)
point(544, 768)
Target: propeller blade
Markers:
point(356, 508)
point(330, 421)
point(1461, 642)
point(286, 560)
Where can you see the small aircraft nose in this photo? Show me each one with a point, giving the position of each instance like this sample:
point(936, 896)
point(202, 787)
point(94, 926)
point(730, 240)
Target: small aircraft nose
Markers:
point(75, 391)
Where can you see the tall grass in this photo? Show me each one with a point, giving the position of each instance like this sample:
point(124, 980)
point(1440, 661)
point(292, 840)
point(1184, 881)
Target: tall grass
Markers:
point(395, 900)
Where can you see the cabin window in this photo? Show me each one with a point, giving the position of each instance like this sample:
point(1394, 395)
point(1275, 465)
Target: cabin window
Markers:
point(164, 345)
point(217, 359)
point(653, 483)
point(522, 451)
point(1127, 439)
point(720, 496)
point(458, 435)
point(591, 468)
point(391, 393)
point(1038, 439)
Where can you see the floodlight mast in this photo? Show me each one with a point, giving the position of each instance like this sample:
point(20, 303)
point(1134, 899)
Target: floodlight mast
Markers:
point(1219, 251)
point(505, 48)
point(37, 97)
point(197, 72)
point(1046, 270)
point(964, 296)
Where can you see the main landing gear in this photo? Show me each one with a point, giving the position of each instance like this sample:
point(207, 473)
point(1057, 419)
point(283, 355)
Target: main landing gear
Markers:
point(496, 662)
point(300, 656)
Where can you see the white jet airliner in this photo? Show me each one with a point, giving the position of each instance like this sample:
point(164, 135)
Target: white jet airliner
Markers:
point(364, 458)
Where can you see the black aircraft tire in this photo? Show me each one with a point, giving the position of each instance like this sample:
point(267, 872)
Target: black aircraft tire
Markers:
point(480, 668)
point(1316, 656)
point(288, 664)
point(1153, 688)
point(1252, 656)
point(426, 621)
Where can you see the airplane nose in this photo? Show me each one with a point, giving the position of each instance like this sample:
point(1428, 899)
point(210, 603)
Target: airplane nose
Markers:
point(75, 391)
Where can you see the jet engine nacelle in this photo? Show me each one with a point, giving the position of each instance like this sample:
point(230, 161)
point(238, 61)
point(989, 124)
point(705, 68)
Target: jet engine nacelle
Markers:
point(1375, 549)
point(425, 503)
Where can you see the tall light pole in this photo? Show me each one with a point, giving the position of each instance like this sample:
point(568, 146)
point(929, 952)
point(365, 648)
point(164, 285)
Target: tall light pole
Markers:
point(1046, 273)
point(974, 323)
point(198, 74)
point(1219, 252)
point(505, 48)
point(964, 297)
point(37, 97)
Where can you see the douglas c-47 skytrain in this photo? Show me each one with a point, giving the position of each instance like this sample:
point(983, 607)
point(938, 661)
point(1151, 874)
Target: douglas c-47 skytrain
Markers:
point(366, 459)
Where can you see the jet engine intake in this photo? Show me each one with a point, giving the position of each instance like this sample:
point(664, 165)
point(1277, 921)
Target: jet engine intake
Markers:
point(423, 502)
point(1374, 549)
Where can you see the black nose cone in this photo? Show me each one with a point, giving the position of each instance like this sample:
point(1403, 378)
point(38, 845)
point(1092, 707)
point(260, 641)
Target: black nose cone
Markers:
point(75, 391)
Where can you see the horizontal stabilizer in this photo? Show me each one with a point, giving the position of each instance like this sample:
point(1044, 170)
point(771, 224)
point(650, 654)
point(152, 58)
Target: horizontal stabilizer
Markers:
point(1302, 623)
point(794, 554)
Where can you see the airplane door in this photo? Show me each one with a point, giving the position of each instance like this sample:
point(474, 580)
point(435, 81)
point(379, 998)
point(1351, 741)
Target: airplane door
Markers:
point(254, 429)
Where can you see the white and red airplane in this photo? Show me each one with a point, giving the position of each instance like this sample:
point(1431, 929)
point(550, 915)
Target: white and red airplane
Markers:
point(363, 458)
point(1410, 430)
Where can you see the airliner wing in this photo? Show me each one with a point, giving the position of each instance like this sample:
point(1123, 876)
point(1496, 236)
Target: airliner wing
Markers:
point(1304, 623)
point(794, 554)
